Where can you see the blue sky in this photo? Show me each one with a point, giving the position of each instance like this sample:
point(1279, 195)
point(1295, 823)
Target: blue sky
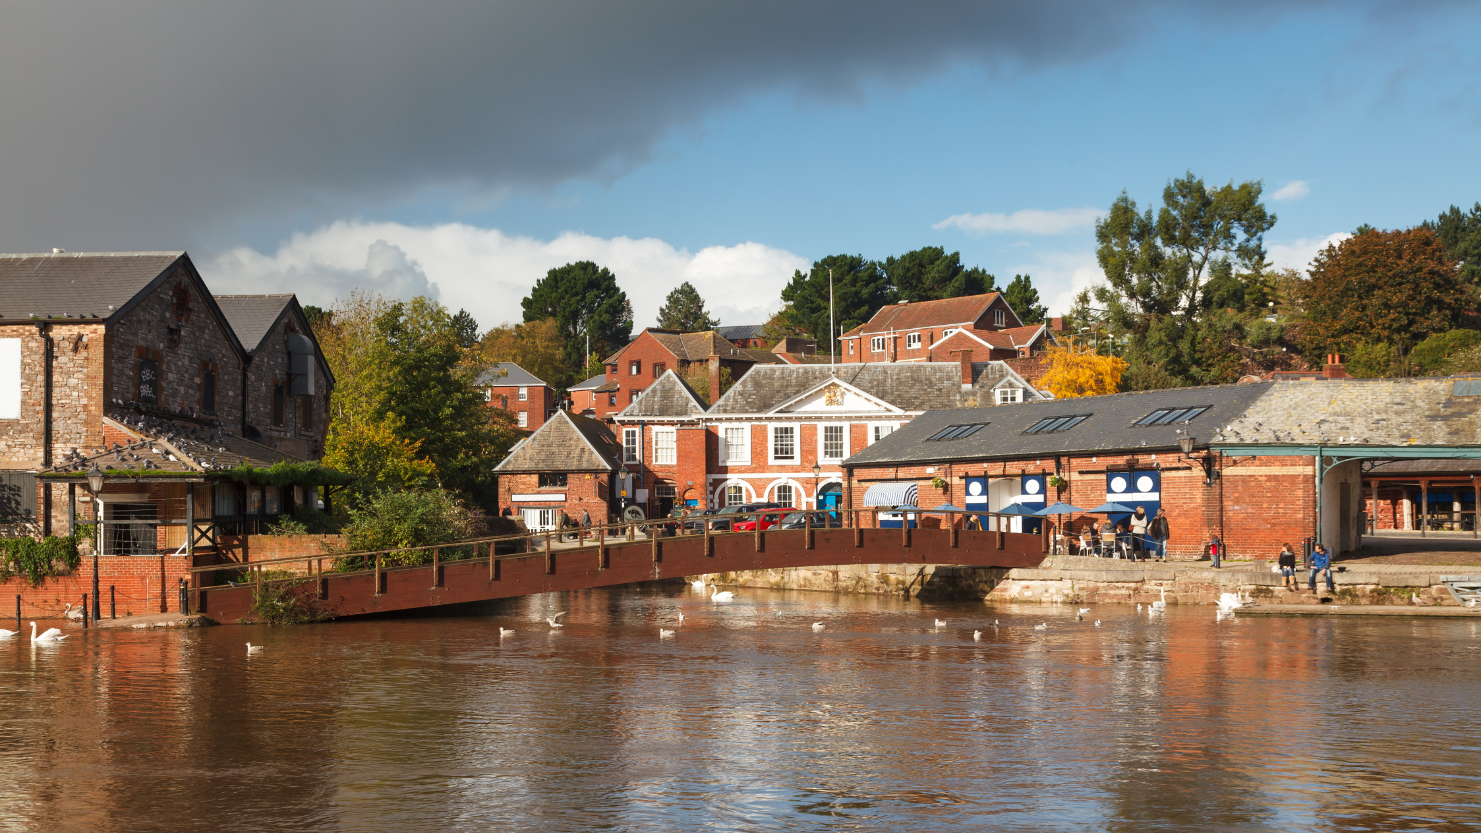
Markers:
point(1373, 111)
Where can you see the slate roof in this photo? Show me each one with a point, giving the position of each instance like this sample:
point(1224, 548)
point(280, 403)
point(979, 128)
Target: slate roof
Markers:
point(164, 445)
point(910, 386)
point(1109, 427)
point(691, 347)
point(921, 314)
point(742, 331)
point(590, 384)
point(565, 443)
point(77, 284)
point(252, 316)
point(515, 376)
point(670, 396)
point(1422, 411)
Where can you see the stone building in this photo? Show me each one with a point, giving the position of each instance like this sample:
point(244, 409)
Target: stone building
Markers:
point(288, 381)
point(571, 464)
point(510, 387)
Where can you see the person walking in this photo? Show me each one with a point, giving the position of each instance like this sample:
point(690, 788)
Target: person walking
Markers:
point(1139, 521)
point(1160, 532)
point(1286, 561)
point(1321, 562)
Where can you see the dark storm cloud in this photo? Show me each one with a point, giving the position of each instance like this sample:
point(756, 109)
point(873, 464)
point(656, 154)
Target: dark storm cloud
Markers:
point(136, 124)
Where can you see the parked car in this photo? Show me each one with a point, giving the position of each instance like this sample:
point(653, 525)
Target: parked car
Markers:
point(798, 520)
point(722, 523)
point(696, 523)
point(767, 520)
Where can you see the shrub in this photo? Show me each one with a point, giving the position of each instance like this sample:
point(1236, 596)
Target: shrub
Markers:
point(306, 521)
point(402, 520)
point(38, 560)
point(289, 603)
point(1432, 354)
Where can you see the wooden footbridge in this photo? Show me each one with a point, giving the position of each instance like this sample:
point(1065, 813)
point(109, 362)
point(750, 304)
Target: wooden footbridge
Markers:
point(363, 583)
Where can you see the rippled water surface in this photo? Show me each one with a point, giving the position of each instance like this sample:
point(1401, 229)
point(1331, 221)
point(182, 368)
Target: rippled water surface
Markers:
point(748, 719)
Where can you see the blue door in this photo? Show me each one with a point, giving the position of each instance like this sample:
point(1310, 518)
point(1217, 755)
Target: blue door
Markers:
point(1142, 487)
point(829, 499)
point(1031, 495)
point(976, 499)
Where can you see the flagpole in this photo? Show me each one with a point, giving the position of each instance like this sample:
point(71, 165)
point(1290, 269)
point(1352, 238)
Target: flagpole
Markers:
point(832, 358)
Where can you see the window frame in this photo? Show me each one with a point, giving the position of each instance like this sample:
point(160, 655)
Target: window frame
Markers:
point(850, 347)
point(999, 318)
point(552, 480)
point(632, 445)
point(843, 442)
point(524, 394)
point(876, 344)
point(522, 419)
point(635, 367)
point(791, 501)
point(658, 369)
point(671, 446)
point(1016, 395)
point(727, 458)
point(912, 341)
point(740, 493)
point(875, 436)
point(958, 431)
point(1176, 415)
point(278, 405)
point(1056, 424)
point(208, 391)
point(771, 445)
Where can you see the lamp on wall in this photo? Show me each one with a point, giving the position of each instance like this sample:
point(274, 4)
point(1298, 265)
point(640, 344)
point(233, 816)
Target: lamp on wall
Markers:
point(95, 485)
point(95, 479)
point(817, 470)
point(1206, 462)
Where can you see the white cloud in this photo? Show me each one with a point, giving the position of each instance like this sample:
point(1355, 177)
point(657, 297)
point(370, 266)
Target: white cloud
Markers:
point(1024, 221)
point(1291, 191)
point(1059, 277)
point(488, 272)
point(1298, 253)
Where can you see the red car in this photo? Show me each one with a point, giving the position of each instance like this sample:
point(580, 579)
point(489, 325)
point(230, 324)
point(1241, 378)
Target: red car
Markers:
point(766, 519)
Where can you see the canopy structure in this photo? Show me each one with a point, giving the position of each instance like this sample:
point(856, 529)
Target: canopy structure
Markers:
point(1060, 508)
point(1111, 509)
point(1017, 509)
point(897, 493)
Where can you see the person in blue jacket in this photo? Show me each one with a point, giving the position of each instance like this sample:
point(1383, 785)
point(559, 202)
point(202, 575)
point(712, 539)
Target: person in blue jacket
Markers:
point(1321, 562)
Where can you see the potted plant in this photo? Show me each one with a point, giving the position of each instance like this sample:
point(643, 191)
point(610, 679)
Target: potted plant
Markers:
point(1057, 482)
point(939, 483)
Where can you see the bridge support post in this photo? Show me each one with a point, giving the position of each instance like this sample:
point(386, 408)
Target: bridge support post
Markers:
point(549, 561)
point(905, 529)
point(601, 548)
point(807, 531)
point(709, 551)
point(1044, 537)
point(953, 533)
point(758, 533)
point(1002, 537)
point(653, 535)
point(323, 585)
point(377, 574)
point(493, 565)
point(436, 567)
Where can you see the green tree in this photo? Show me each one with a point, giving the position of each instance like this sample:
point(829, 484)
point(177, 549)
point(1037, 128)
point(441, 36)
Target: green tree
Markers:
point(357, 355)
point(1460, 232)
point(1024, 299)
point(1390, 287)
point(929, 274)
point(585, 300)
point(684, 310)
point(378, 459)
point(860, 288)
point(429, 397)
point(536, 346)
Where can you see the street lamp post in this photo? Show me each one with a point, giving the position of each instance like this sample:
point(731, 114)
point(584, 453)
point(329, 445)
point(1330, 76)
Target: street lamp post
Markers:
point(95, 485)
point(817, 472)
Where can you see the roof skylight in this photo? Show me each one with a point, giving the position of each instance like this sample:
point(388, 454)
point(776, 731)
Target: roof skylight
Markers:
point(957, 432)
point(1167, 416)
point(1050, 425)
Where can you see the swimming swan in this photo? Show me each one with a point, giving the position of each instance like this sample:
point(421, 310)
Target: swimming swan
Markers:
point(1229, 601)
point(1162, 603)
point(716, 595)
point(503, 632)
point(1042, 627)
point(976, 636)
point(817, 626)
point(665, 633)
point(50, 635)
point(253, 649)
point(698, 584)
point(73, 613)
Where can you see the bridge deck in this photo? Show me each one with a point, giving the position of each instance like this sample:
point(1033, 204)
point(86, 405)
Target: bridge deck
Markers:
point(506, 576)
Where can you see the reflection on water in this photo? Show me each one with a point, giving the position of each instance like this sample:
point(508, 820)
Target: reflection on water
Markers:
point(748, 719)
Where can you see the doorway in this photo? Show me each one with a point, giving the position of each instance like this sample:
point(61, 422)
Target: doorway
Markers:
point(829, 498)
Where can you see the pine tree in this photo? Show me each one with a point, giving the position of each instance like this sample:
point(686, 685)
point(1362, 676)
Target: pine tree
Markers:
point(1024, 300)
point(684, 310)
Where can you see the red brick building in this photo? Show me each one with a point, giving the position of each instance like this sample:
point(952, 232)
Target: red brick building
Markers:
point(654, 352)
point(508, 386)
point(571, 465)
point(911, 332)
point(586, 395)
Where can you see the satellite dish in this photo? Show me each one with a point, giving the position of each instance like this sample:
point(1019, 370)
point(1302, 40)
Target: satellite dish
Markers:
point(634, 513)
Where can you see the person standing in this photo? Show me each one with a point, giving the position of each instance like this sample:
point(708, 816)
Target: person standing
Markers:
point(1321, 562)
point(1215, 549)
point(1139, 521)
point(1287, 564)
point(1160, 532)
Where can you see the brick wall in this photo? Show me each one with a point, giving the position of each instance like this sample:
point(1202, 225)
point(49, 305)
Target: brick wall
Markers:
point(78, 362)
point(540, 401)
point(270, 366)
point(584, 492)
point(136, 581)
point(760, 477)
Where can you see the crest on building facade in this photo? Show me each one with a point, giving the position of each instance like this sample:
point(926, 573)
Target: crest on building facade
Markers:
point(181, 297)
point(833, 396)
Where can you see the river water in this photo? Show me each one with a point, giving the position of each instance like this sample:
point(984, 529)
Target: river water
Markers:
point(748, 719)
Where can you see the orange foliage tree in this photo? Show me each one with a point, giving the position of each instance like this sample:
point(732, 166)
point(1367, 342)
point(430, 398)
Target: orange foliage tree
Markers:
point(1078, 371)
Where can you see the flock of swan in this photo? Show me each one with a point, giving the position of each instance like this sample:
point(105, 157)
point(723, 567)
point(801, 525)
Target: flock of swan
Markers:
point(48, 636)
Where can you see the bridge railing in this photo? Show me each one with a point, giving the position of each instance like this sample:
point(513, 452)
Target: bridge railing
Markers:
point(545, 543)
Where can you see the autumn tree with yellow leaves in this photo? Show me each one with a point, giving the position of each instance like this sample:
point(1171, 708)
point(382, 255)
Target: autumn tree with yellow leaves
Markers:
point(1076, 371)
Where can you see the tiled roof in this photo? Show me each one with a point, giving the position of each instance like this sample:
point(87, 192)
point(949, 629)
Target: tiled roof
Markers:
point(590, 384)
point(692, 347)
point(164, 445)
point(1109, 427)
point(742, 331)
point(77, 284)
point(508, 374)
point(252, 316)
point(910, 386)
point(1009, 339)
point(1422, 411)
point(565, 443)
point(670, 396)
point(921, 314)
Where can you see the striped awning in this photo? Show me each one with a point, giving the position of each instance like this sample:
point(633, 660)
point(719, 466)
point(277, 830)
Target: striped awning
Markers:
point(898, 493)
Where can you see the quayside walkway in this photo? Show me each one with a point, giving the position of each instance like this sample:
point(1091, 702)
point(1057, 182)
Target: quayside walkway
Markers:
point(480, 570)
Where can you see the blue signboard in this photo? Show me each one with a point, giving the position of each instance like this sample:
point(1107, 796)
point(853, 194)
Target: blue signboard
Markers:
point(1131, 489)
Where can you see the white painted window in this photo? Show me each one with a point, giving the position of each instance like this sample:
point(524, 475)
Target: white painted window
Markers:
point(539, 520)
point(524, 394)
point(784, 495)
point(735, 442)
point(912, 341)
point(999, 318)
point(835, 442)
point(876, 344)
point(523, 419)
point(880, 431)
point(1009, 395)
point(735, 494)
point(851, 347)
point(664, 446)
point(488, 394)
point(784, 443)
point(949, 332)
point(630, 445)
point(10, 378)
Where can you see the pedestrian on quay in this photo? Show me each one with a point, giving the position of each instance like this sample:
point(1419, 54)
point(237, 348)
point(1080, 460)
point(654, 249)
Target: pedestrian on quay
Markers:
point(1096, 545)
point(1123, 539)
point(585, 519)
point(1215, 550)
point(1286, 561)
point(1139, 521)
point(1321, 562)
point(1160, 533)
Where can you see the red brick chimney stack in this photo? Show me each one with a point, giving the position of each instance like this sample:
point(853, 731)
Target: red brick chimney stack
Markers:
point(964, 357)
point(1334, 368)
point(714, 379)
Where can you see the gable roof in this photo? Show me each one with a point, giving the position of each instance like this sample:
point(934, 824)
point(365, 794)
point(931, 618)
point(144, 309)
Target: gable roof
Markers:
point(670, 396)
point(514, 376)
point(165, 445)
point(590, 384)
point(252, 317)
point(1421, 411)
point(921, 314)
point(1109, 428)
point(1009, 339)
point(909, 386)
point(565, 443)
point(691, 347)
point(77, 284)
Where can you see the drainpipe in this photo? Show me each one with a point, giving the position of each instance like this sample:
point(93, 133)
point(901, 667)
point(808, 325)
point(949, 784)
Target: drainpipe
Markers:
point(44, 330)
point(1318, 535)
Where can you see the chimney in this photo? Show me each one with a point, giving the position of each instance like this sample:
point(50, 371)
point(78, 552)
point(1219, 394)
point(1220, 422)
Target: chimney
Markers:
point(964, 358)
point(714, 379)
point(1056, 324)
point(1334, 368)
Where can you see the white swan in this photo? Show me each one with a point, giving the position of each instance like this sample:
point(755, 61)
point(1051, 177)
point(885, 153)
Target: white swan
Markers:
point(976, 636)
point(553, 620)
point(253, 649)
point(681, 617)
point(73, 613)
point(698, 584)
point(1084, 610)
point(716, 595)
point(817, 626)
point(995, 623)
point(5, 634)
point(1229, 601)
point(503, 632)
point(665, 633)
point(1161, 604)
point(1138, 607)
point(1097, 623)
point(50, 635)
point(940, 624)
point(1042, 627)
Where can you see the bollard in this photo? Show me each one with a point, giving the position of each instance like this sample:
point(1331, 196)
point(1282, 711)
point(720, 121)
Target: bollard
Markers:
point(17, 613)
point(708, 551)
point(112, 603)
point(807, 531)
point(84, 610)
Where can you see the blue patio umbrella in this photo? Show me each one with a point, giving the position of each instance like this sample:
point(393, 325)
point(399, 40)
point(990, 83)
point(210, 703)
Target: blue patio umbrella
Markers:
point(1060, 508)
point(1016, 509)
point(1111, 509)
point(946, 507)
